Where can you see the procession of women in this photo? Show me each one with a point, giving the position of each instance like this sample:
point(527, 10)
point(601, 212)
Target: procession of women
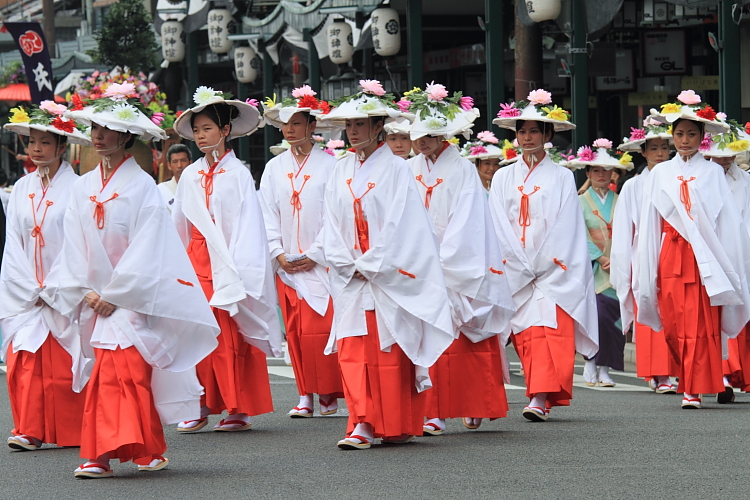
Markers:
point(392, 267)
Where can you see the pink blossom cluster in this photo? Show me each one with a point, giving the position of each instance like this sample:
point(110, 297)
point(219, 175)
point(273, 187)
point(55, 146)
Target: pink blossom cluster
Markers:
point(303, 91)
point(637, 134)
point(477, 150)
point(689, 97)
point(602, 143)
point(403, 105)
point(157, 118)
point(372, 87)
point(706, 143)
point(436, 91)
point(487, 136)
point(508, 111)
point(467, 103)
point(585, 153)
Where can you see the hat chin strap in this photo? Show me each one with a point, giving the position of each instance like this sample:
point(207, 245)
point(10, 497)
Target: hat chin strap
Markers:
point(106, 154)
point(360, 146)
point(296, 145)
point(534, 159)
point(214, 153)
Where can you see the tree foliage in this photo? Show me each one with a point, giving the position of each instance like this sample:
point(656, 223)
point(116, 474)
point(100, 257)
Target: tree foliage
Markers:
point(126, 38)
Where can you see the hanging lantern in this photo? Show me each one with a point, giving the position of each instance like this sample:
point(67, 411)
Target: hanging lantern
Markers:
point(172, 41)
point(543, 10)
point(245, 64)
point(340, 42)
point(219, 21)
point(386, 32)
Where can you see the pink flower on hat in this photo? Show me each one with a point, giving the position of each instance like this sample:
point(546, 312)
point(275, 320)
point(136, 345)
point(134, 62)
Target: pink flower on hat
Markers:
point(335, 144)
point(477, 150)
point(467, 103)
point(303, 91)
point(637, 134)
point(721, 116)
point(157, 118)
point(52, 108)
point(585, 153)
point(508, 111)
point(488, 137)
point(119, 91)
point(602, 143)
point(372, 87)
point(436, 91)
point(689, 97)
point(706, 143)
point(403, 105)
point(539, 96)
point(650, 121)
point(252, 102)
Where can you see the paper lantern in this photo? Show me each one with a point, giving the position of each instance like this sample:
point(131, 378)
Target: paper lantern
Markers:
point(543, 10)
point(172, 41)
point(245, 64)
point(218, 30)
point(340, 42)
point(386, 32)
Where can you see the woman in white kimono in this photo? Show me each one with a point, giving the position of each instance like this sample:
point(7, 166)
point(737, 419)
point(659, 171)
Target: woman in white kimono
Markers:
point(723, 149)
point(46, 365)
point(391, 310)
point(127, 282)
point(538, 220)
point(693, 253)
point(468, 377)
point(397, 135)
point(292, 192)
point(652, 359)
point(488, 157)
point(219, 218)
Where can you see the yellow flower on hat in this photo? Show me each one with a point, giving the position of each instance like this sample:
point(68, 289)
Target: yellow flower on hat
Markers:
point(671, 108)
point(270, 102)
point(626, 159)
point(453, 140)
point(669, 130)
point(739, 146)
point(19, 116)
point(556, 113)
point(410, 92)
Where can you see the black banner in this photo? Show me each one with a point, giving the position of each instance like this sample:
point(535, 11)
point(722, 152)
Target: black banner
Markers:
point(29, 39)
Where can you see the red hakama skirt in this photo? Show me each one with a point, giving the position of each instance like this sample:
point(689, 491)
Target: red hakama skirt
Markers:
point(307, 334)
point(743, 351)
point(120, 417)
point(379, 386)
point(652, 357)
point(235, 374)
point(467, 381)
point(691, 324)
point(548, 357)
point(40, 389)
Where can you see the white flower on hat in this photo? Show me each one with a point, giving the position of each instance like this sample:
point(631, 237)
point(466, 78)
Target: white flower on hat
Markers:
point(435, 122)
point(125, 112)
point(203, 94)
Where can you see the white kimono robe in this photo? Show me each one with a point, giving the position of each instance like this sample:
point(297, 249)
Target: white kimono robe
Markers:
point(135, 262)
point(29, 255)
point(294, 231)
point(553, 267)
point(623, 259)
point(237, 245)
point(739, 184)
point(405, 284)
point(716, 232)
point(168, 189)
point(469, 251)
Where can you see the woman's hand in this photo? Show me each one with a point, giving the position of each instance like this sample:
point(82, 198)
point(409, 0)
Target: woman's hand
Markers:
point(304, 265)
point(101, 307)
point(359, 276)
point(286, 266)
point(604, 262)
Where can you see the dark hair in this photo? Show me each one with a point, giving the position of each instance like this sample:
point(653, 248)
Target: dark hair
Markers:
point(701, 126)
point(374, 120)
point(645, 143)
point(221, 114)
point(543, 126)
point(178, 148)
point(131, 141)
point(310, 118)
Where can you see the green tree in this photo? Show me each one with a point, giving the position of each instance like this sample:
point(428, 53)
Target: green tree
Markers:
point(127, 37)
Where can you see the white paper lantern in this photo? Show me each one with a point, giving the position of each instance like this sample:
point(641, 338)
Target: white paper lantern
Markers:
point(218, 30)
point(245, 64)
point(172, 41)
point(386, 32)
point(340, 42)
point(543, 10)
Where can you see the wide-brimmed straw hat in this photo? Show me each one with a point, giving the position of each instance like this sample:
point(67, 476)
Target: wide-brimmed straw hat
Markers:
point(439, 114)
point(690, 107)
point(47, 117)
point(247, 121)
point(601, 154)
point(485, 146)
point(398, 125)
point(538, 108)
point(303, 100)
point(732, 143)
point(372, 100)
point(652, 129)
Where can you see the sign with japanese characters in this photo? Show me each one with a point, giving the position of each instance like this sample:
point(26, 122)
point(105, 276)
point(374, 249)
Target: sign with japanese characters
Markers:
point(623, 79)
point(29, 39)
point(664, 52)
point(220, 25)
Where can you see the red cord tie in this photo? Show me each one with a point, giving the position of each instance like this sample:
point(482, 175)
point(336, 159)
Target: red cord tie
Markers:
point(36, 233)
point(685, 194)
point(428, 193)
point(563, 266)
point(99, 210)
point(207, 181)
point(359, 217)
point(412, 276)
point(524, 217)
point(297, 204)
point(608, 224)
point(493, 270)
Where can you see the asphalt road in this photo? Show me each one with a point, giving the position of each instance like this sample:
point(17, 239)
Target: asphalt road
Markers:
point(622, 443)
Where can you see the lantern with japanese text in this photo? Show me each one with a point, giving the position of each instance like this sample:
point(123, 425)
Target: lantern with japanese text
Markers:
point(340, 42)
point(386, 32)
point(219, 21)
point(245, 64)
point(543, 10)
point(172, 41)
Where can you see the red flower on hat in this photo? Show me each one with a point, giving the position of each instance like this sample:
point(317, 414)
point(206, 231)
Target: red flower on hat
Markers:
point(510, 154)
point(66, 126)
point(308, 101)
point(706, 113)
point(747, 128)
point(326, 108)
point(77, 102)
